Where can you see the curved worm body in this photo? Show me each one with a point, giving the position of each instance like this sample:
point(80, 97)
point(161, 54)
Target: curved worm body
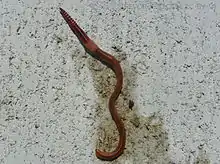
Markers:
point(108, 60)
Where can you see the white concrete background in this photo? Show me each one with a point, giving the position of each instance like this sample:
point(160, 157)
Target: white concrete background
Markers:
point(54, 96)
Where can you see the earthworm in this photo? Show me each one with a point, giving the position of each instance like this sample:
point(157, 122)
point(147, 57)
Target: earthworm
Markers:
point(111, 62)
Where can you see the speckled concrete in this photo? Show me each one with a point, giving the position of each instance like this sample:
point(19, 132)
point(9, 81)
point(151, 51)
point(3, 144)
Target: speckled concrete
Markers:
point(53, 96)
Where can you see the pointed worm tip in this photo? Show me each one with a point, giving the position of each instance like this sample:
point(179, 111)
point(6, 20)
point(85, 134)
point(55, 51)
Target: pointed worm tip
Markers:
point(61, 10)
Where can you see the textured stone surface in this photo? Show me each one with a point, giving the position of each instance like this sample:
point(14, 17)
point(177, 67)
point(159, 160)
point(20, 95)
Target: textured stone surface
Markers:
point(53, 96)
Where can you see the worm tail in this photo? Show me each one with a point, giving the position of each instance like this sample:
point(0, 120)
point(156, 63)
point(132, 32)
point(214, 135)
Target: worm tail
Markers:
point(109, 156)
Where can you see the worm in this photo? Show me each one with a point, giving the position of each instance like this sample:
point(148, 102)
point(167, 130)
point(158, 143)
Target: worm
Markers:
point(112, 63)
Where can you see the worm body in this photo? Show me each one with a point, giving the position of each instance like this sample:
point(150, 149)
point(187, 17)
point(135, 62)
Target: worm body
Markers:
point(110, 61)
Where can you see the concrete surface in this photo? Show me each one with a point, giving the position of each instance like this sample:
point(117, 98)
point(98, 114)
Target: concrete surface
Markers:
point(54, 96)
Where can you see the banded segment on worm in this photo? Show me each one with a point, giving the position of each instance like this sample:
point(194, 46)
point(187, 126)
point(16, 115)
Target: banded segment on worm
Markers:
point(110, 61)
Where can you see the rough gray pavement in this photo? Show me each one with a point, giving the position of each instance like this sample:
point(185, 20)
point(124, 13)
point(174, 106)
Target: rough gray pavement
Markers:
point(53, 96)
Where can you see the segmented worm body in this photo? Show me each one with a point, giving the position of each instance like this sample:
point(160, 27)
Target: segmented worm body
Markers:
point(108, 60)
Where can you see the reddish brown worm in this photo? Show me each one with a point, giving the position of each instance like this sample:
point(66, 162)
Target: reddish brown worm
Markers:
point(108, 60)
